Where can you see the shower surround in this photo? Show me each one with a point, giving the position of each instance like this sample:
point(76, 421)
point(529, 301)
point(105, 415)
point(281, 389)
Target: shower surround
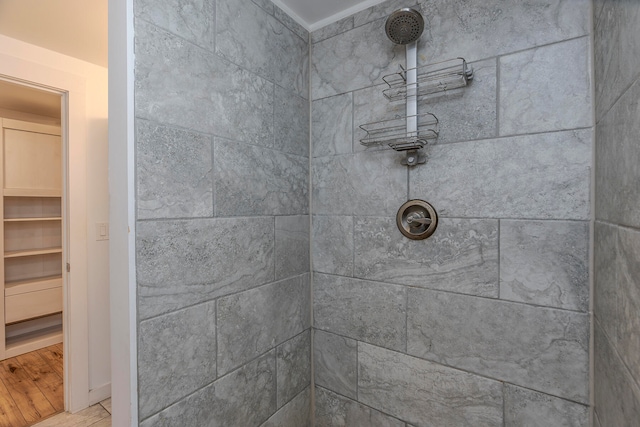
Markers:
point(485, 323)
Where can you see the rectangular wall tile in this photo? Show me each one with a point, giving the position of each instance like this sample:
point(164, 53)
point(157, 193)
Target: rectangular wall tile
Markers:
point(174, 172)
point(617, 395)
point(248, 36)
point(483, 29)
point(180, 84)
point(606, 294)
point(616, 51)
point(290, 23)
point(251, 180)
point(292, 245)
point(336, 363)
point(291, 126)
point(524, 407)
point(293, 362)
point(539, 348)
point(193, 20)
point(617, 153)
point(545, 263)
point(296, 413)
point(180, 263)
point(424, 393)
point(628, 336)
point(532, 96)
point(364, 183)
point(332, 243)
point(175, 356)
point(353, 60)
point(170, 73)
point(338, 27)
point(332, 123)
point(252, 322)
point(538, 176)
point(333, 410)
point(461, 256)
point(246, 397)
point(366, 311)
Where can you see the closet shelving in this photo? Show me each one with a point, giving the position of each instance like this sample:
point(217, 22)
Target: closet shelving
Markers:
point(32, 232)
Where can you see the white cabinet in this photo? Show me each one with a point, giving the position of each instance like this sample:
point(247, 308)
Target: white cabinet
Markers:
point(32, 236)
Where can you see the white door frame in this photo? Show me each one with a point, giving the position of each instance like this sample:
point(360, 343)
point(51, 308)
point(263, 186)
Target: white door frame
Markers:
point(122, 274)
point(74, 136)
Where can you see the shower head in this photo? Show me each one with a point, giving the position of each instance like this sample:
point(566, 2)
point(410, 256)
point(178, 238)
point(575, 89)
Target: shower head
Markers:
point(404, 26)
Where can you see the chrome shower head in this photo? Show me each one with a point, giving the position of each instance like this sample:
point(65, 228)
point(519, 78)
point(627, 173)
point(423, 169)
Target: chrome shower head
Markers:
point(404, 26)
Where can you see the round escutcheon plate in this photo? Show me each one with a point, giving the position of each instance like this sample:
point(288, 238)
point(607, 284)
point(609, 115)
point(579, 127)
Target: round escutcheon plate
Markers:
point(417, 219)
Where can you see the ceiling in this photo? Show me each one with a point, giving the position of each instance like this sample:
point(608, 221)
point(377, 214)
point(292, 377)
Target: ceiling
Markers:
point(22, 98)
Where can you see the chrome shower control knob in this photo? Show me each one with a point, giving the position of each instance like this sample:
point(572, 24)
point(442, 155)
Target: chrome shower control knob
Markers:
point(417, 219)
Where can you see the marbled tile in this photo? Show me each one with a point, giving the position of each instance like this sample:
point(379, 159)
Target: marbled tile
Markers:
point(336, 363)
point(333, 29)
point(290, 23)
point(533, 98)
point(293, 362)
point(617, 152)
point(539, 348)
point(617, 396)
point(180, 263)
point(483, 29)
point(175, 356)
point(370, 106)
point(596, 421)
point(616, 51)
point(174, 172)
point(296, 413)
point(353, 60)
point(368, 183)
point(468, 113)
point(173, 80)
point(526, 408)
point(545, 263)
point(291, 120)
point(292, 245)
point(252, 322)
point(543, 176)
point(267, 5)
point(461, 256)
point(257, 41)
point(251, 180)
point(332, 125)
point(193, 20)
point(425, 393)
point(332, 243)
point(628, 290)
point(177, 83)
point(246, 397)
point(333, 410)
point(379, 318)
point(606, 293)
point(381, 10)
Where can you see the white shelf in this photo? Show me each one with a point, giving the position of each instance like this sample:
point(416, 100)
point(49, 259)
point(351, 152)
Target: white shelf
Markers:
point(32, 252)
point(32, 192)
point(33, 219)
point(32, 285)
point(21, 344)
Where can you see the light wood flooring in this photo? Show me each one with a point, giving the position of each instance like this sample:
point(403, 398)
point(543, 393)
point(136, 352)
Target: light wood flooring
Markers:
point(31, 387)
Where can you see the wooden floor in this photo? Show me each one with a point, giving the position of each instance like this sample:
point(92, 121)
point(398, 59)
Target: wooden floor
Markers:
point(31, 387)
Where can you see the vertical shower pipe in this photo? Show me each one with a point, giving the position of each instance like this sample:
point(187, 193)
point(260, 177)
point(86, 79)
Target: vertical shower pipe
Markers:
point(412, 98)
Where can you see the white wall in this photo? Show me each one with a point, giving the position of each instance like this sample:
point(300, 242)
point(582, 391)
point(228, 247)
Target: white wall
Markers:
point(96, 79)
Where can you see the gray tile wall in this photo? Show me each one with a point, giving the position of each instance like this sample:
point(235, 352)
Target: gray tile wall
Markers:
point(487, 321)
point(222, 166)
point(617, 202)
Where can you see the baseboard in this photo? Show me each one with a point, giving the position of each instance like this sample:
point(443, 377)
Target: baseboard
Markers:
point(99, 394)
